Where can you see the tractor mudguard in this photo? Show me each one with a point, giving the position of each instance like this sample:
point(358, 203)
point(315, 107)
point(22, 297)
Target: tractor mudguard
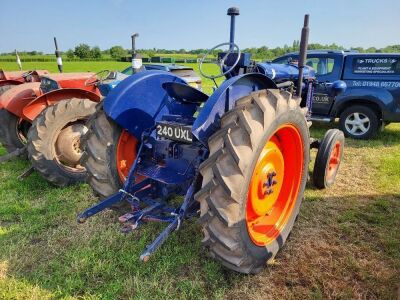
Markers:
point(16, 98)
point(224, 98)
point(32, 109)
point(139, 101)
point(10, 82)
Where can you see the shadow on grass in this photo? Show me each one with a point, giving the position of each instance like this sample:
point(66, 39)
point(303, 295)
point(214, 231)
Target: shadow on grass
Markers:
point(95, 259)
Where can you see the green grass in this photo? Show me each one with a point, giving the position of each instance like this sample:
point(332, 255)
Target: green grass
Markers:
point(345, 243)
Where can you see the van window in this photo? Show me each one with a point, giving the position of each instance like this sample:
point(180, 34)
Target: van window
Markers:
point(321, 65)
point(376, 65)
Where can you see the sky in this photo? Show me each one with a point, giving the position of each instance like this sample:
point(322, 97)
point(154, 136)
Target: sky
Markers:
point(188, 24)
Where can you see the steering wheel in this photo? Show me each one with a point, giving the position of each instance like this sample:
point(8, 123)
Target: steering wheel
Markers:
point(27, 74)
point(97, 78)
point(232, 48)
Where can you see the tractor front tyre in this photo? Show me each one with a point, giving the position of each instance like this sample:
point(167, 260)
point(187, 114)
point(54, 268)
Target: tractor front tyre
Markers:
point(54, 141)
point(254, 179)
point(109, 152)
point(329, 156)
point(13, 131)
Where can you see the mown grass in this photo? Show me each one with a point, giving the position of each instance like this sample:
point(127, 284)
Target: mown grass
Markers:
point(345, 243)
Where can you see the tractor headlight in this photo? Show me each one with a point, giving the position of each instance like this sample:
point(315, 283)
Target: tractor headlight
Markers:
point(48, 85)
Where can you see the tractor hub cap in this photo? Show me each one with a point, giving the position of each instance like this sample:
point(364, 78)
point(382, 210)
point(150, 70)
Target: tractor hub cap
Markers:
point(357, 123)
point(68, 147)
point(274, 185)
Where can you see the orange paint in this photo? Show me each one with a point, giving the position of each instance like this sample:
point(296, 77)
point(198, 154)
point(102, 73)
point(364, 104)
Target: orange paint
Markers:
point(274, 186)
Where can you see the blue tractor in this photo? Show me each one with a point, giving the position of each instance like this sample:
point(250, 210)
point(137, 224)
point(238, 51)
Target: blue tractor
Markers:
point(238, 157)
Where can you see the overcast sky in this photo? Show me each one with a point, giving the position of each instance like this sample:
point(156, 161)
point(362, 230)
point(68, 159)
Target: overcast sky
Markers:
point(175, 24)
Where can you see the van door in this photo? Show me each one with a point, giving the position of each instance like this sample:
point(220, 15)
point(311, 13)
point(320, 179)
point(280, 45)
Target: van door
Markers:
point(328, 69)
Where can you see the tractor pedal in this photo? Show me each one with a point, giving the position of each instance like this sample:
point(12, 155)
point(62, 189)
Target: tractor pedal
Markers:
point(26, 173)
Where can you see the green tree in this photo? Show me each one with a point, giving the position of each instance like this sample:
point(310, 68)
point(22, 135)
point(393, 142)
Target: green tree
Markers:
point(95, 52)
point(82, 51)
point(70, 54)
point(117, 52)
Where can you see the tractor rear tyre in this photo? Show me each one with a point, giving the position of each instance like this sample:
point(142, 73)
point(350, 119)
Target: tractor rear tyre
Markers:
point(13, 131)
point(109, 152)
point(54, 141)
point(254, 179)
point(329, 156)
point(5, 88)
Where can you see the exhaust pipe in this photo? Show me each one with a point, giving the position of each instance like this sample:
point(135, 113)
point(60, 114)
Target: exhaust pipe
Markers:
point(137, 63)
point(303, 53)
point(18, 60)
point(58, 56)
point(233, 12)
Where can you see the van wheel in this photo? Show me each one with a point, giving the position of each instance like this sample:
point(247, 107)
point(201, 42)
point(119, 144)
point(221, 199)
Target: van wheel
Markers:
point(359, 122)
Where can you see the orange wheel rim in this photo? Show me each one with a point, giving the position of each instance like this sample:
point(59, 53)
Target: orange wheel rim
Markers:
point(126, 153)
point(274, 186)
point(334, 161)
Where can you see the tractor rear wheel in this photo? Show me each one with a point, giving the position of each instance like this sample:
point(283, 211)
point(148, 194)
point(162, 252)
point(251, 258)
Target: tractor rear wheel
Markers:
point(54, 141)
point(13, 131)
point(109, 152)
point(254, 179)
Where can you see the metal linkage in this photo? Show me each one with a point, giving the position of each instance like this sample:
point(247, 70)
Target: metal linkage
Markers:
point(179, 216)
point(11, 155)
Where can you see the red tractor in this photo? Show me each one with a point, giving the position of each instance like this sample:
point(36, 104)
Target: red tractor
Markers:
point(47, 118)
point(8, 79)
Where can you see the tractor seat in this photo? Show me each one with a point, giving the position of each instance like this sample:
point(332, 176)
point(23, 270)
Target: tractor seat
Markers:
point(184, 93)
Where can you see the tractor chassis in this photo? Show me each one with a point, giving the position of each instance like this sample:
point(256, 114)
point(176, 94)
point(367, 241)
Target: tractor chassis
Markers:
point(145, 208)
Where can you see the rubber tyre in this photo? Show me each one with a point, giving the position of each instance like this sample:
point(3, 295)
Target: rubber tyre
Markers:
point(234, 151)
point(5, 88)
point(99, 154)
point(43, 134)
point(10, 131)
point(374, 121)
point(321, 165)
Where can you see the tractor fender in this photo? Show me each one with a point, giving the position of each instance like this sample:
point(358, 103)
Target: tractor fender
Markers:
point(139, 101)
point(10, 82)
point(224, 99)
point(16, 98)
point(376, 96)
point(36, 106)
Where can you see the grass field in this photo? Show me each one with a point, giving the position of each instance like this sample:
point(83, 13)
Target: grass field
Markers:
point(344, 245)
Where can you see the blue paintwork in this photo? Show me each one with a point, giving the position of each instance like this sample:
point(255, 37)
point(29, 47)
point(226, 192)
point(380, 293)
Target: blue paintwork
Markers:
point(283, 72)
point(139, 101)
point(223, 99)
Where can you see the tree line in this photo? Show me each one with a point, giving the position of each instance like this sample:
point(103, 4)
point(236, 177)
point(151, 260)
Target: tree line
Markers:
point(84, 51)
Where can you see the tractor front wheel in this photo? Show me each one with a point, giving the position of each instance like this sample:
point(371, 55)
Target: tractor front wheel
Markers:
point(254, 179)
point(13, 131)
point(54, 141)
point(329, 157)
point(109, 152)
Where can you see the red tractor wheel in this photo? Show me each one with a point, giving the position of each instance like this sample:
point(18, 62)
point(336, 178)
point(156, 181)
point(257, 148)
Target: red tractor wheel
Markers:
point(109, 152)
point(13, 131)
point(329, 157)
point(254, 179)
point(54, 141)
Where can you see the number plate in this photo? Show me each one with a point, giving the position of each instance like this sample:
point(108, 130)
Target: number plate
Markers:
point(174, 132)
